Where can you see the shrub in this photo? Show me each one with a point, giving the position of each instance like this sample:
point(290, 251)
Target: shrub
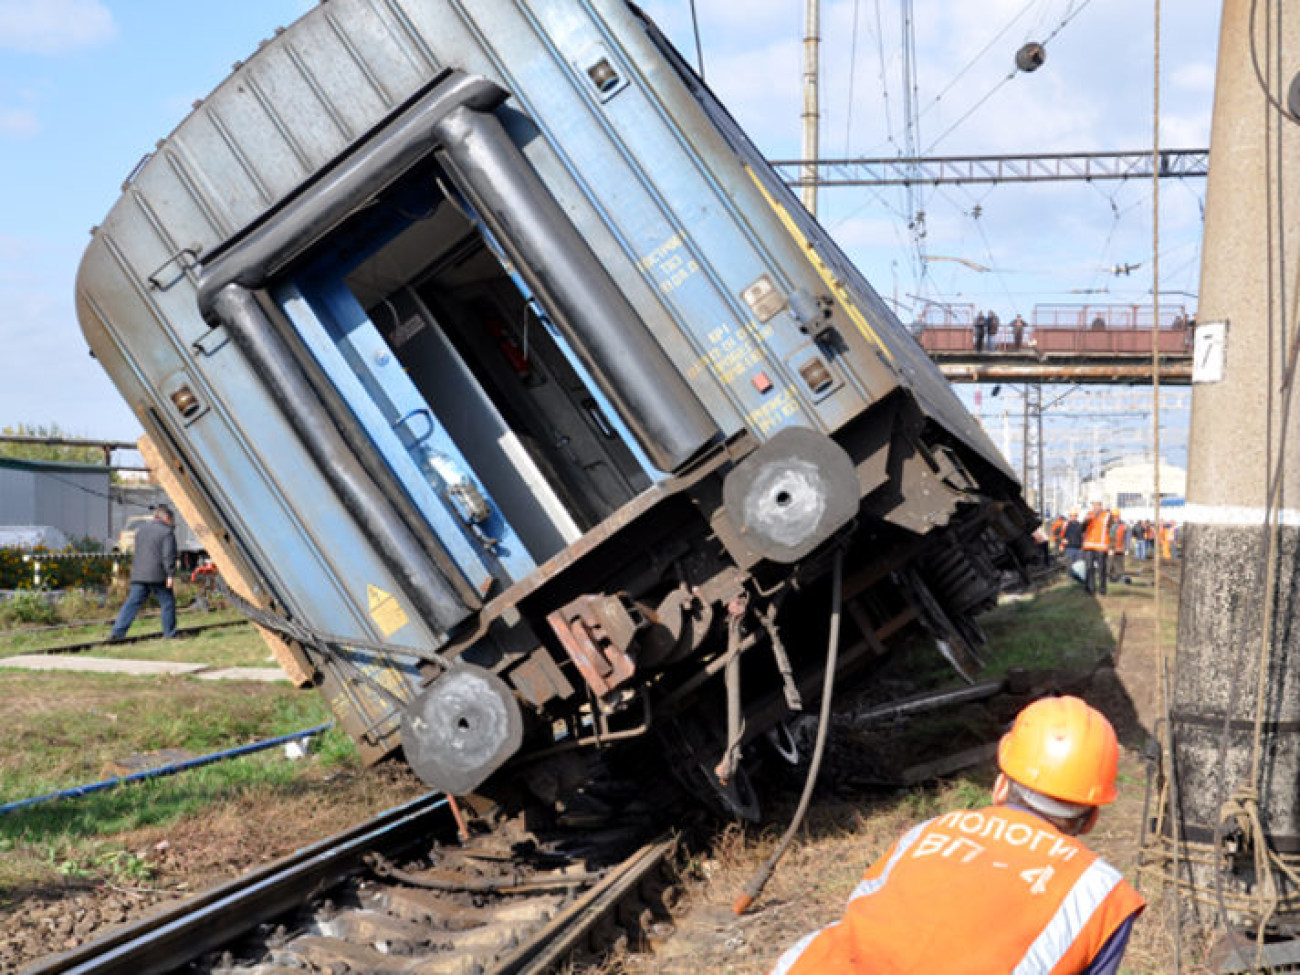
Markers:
point(64, 569)
point(29, 606)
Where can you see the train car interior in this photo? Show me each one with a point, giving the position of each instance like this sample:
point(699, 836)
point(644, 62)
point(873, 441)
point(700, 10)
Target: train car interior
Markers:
point(465, 386)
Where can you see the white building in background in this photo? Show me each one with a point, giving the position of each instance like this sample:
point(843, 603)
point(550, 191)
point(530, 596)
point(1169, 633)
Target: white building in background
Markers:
point(1130, 486)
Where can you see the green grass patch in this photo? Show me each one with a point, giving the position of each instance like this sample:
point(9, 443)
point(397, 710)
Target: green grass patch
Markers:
point(81, 838)
point(234, 646)
point(29, 640)
point(1060, 627)
point(63, 728)
point(967, 791)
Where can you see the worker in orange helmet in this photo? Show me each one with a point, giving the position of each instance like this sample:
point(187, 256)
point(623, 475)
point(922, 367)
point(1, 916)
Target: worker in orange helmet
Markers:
point(1006, 888)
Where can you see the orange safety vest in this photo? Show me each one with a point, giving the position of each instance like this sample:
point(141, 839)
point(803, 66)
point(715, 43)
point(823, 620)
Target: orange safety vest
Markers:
point(992, 890)
point(1096, 533)
point(1121, 536)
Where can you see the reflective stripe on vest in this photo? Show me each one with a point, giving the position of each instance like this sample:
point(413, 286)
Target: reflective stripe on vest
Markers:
point(794, 951)
point(1071, 918)
point(870, 884)
point(1005, 885)
point(865, 888)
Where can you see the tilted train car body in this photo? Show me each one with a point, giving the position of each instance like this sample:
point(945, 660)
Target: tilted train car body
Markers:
point(518, 385)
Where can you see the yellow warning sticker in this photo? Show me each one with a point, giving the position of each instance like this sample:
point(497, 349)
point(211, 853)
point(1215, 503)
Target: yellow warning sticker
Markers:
point(385, 610)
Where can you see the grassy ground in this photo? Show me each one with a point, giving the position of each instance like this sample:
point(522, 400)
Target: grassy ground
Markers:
point(19, 639)
point(1062, 627)
point(69, 729)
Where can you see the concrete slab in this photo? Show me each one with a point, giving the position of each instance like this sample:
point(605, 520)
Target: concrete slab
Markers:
point(98, 665)
point(267, 674)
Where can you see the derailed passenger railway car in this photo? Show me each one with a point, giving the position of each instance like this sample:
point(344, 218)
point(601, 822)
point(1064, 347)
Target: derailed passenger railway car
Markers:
point(528, 398)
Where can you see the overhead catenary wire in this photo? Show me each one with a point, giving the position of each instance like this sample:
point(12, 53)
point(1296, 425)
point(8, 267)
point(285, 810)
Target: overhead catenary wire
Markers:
point(853, 66)
point(884, 77)
point(979, 55)
point(1070, 14)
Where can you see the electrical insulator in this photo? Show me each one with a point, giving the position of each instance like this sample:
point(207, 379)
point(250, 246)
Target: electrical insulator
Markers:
point(1031, 57)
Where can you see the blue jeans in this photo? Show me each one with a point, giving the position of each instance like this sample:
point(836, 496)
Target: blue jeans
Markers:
point(135, 599)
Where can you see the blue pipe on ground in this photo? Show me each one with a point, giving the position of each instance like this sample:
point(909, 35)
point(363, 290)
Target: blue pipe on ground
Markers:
point(153, 773)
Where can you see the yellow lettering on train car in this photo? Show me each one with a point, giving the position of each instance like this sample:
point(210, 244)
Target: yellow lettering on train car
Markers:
point(828, 276)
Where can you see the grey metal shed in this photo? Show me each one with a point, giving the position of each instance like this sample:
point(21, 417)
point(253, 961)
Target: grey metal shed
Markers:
point(71, 497)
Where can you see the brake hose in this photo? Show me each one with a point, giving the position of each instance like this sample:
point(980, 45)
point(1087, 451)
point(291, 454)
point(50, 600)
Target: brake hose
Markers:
point(759, 880)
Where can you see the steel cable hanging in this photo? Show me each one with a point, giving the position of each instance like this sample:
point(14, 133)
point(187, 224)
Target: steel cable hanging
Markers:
point(1163, 679)
point(884, 82)
point(853, 65)
point(699, 49)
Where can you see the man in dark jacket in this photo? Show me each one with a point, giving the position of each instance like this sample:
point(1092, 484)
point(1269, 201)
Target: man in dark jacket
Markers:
point(152, 570)
point(1073, 535)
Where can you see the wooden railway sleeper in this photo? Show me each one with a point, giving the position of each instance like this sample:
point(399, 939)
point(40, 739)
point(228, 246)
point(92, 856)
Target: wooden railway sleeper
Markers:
point(448, 882)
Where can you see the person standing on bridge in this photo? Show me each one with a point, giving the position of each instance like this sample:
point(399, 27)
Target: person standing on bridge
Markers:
point(153, 569)
point(1018, 332)
point(1009, 887)
point(981, 328)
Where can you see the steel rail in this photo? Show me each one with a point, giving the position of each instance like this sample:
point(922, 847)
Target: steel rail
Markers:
point(189, 609)
point(141, 638)
point(175, 937)
point(544, 952)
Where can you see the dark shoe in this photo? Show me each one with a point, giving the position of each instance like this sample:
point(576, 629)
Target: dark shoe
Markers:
point(114, 639)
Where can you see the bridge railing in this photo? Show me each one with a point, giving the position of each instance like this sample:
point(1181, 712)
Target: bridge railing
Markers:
point(1124, 330)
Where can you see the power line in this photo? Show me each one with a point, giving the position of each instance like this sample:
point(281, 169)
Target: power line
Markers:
point(983, 51)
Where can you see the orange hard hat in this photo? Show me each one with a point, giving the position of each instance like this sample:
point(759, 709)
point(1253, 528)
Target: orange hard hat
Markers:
point(1063, 748)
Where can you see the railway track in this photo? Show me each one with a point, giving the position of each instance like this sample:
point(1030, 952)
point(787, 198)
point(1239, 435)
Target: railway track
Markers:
point(141, 638)
point(344, 905)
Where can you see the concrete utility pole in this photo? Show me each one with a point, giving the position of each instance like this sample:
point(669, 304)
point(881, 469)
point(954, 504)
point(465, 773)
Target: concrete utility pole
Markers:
point(811, 109)
point(1235, 708)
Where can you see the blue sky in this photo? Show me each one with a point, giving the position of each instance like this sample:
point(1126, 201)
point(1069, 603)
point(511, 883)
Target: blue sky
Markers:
point(88, 86)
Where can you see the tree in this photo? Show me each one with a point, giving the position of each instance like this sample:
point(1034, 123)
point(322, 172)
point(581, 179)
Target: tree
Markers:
point(58, 453)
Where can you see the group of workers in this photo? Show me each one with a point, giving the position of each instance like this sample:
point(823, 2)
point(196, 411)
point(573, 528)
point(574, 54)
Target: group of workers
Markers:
point(1102, 539)
point(985, 331)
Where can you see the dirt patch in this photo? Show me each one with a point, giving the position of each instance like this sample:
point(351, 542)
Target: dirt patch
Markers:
point(168, 864)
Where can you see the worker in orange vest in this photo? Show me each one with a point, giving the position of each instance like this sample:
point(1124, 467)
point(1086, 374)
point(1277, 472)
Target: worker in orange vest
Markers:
point(1096, 547)
point(1118, 543)
point(1000, 889)
point(1058, 534)
point(1167, 540)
